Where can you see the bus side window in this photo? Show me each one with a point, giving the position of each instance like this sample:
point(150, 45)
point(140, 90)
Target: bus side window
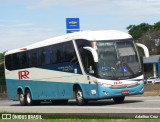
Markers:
point(39, 57)
point(24, 60)
point(43, 56)
point(58, 54)
point(8, 62)
point(29, 58)
point(19, 56)
point(15, 61)
point(47, 55)
point(34, 57)
point(70, 54)
point(53, 54)
point(62, 51)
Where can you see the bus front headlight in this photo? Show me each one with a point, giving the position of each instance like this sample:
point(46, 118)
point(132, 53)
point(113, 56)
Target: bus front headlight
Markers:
point(104, 85)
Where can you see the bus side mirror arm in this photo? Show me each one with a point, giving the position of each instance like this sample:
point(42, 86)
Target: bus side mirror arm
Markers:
point(145, 49)
point(94, 53)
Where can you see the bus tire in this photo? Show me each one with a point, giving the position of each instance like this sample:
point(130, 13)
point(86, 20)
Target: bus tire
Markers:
point(79, 97)
point(29, 100)
point(118, 100)
point(22, 99)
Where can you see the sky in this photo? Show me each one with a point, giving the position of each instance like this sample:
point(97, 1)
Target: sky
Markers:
point(23, 22)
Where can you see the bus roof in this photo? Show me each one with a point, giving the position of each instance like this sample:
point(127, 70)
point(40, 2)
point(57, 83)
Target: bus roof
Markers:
point(88, 35)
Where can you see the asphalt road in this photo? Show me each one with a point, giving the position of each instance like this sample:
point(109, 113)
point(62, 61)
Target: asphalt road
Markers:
point(130, 105)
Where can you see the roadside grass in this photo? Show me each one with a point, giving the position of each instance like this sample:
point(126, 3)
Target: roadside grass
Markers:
point(74, 118)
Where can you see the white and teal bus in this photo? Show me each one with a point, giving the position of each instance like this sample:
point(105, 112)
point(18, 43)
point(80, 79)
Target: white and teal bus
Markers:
point(87, 65)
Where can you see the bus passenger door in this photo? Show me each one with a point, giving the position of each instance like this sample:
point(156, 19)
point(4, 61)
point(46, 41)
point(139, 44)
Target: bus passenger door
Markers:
point(90, 69)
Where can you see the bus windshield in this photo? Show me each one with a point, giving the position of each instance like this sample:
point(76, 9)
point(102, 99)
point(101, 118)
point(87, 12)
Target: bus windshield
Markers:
point(118, 59)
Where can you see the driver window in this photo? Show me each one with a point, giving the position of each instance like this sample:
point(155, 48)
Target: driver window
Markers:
point(88, 61)
point(86, 56)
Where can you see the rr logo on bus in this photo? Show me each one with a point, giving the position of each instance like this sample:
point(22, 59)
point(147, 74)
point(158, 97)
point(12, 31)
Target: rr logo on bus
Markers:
point(23, 74)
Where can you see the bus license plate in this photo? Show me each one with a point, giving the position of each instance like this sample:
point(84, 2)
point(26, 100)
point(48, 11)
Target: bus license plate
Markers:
point(125, 92)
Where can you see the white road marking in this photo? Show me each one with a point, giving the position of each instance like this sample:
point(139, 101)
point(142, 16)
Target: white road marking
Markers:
point(153, 100)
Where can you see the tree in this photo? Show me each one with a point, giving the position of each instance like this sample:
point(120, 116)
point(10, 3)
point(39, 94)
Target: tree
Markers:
point(1, 57)
point(156, 26)
point(2, 77)
point(138, 30)
point(146, 34)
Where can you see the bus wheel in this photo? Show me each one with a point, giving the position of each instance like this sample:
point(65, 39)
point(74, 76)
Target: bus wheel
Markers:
point(29, 100)
point(119, 99)
point(79, 97)
point(22, 99)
